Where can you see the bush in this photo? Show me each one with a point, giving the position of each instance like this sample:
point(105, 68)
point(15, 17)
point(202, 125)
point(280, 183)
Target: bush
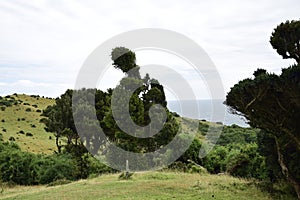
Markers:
point(12, 139)
point(57, 167)
point(38, 110)
point(192, 153)
point(2, 120)
point(29, 134)
point(25, 168)
point(215, 162)
point(28, 110)
point(16, 166)
point(125, 176)
point(247, 163)
point(96, 167)
point(203, 127)
point(196, 169)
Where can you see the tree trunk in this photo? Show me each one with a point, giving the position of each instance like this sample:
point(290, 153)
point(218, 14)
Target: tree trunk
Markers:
point(57, 144)
point(285, 170)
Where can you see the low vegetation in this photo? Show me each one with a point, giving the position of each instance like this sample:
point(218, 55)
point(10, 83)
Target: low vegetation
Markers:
point(150, 185)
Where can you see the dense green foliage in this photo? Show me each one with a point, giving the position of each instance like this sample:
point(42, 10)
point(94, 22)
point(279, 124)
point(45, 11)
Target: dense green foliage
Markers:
point(272, 103)
point(236, 153)
point(26, 168)
point(143, 94)
point(286, 40)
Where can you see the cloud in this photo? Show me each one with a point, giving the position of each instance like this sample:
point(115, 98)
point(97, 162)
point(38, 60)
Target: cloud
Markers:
point(30, 87)
point(47, 41)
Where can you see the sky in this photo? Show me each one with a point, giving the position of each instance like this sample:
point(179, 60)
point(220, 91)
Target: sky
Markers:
point(43, 43)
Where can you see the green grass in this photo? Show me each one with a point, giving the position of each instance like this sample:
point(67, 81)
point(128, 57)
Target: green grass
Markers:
point(18, 119)
point(149, 185)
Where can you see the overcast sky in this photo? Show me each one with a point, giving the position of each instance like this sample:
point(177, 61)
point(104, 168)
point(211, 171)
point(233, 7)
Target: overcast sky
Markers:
point(43, 43)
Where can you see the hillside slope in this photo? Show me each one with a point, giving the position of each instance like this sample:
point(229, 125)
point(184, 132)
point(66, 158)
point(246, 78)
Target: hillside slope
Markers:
point(20, 116)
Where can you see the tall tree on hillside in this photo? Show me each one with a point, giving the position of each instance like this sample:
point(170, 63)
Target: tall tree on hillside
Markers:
point(145, 92)
point(272, 103)
point(59, 119)
point(286, 40)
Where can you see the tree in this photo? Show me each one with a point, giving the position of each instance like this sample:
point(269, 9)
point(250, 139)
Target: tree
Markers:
point(272, 103)
point(124, 59)
point(286, 40)
point(145, 93)
point(59, 120)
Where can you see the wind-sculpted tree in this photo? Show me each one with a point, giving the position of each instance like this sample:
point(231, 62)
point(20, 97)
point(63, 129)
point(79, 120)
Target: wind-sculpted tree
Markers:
point(272, 103)
point(286, 40)
point(143, 95)
point(146, 128)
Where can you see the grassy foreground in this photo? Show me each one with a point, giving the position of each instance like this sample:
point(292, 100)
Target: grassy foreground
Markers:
point(149, 185)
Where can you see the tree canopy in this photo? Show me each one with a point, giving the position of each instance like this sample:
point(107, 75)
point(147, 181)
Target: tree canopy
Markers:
point(272, 102)
point(286, 40)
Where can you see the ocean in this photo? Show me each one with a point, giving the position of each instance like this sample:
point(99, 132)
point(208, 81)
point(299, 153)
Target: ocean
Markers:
point(209, 110)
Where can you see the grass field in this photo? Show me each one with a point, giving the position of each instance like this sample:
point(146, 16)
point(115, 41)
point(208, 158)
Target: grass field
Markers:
point(16, 122)
point(148, 185)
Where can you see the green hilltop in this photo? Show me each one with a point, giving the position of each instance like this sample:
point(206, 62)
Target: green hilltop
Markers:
point(20, 117)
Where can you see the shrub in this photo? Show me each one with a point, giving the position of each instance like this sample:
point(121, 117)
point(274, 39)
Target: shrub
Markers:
point(38, 110)
point(4, 130)
point(28, 110)
point(57, 167)
point(35, 106)
point(33, 126)
point(246, 163)
point(29, 134)
point(21, 132)
point(214, 162)
point(15, 166)
point(203, 128)
point(2, 120)
point(125, 176)
point(192, 153)
point(196, 169)
point(12, 139)
point(3, 108)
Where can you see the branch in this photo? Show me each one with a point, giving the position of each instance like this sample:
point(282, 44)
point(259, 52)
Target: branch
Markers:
point(249, 104)
point(293, 137)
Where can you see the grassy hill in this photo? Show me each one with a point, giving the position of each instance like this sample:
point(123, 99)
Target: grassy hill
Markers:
point(150, 185)
point(19, 121)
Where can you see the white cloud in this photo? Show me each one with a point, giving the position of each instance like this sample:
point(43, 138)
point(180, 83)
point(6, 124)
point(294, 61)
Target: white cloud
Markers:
point(46, 41)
